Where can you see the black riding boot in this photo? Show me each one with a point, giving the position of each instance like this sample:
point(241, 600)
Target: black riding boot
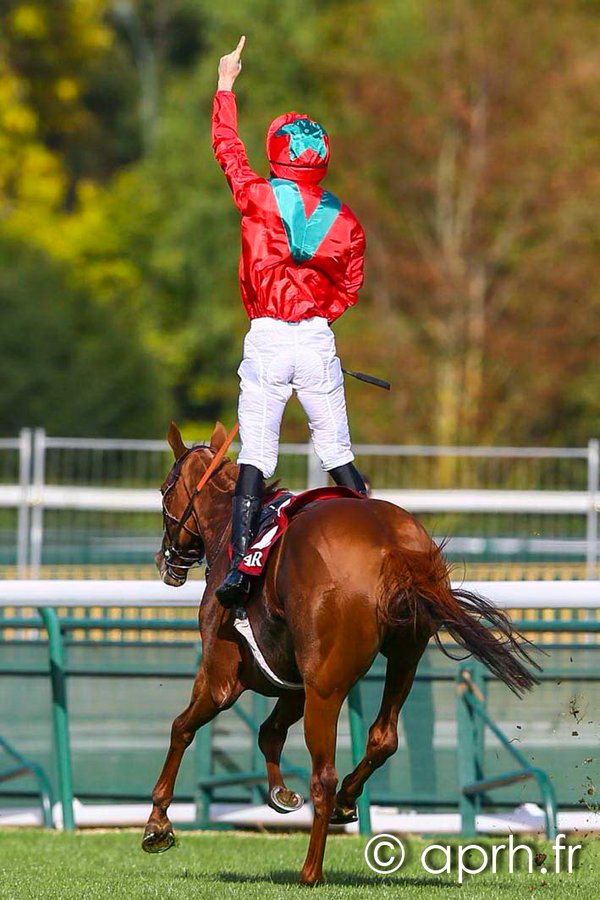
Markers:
point(349, 476)
point(246, 507)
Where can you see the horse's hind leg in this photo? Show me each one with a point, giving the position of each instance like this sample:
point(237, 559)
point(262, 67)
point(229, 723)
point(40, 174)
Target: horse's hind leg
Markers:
point(271, 738)
point(320, 729)
point(158, 834)
point(382, 742)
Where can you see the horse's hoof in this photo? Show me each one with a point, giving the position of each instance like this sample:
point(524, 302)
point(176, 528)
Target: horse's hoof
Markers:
point(157, 840)
point(283, 800)
point(343, 816)
point(311, 880)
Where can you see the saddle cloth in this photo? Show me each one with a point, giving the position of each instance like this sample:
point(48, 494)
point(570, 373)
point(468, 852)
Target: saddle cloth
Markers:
point(277, 513)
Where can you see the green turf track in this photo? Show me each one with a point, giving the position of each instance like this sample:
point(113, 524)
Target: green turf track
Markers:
point(42, 866)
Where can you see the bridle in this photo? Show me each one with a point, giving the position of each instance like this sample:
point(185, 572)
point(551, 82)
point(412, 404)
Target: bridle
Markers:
point(176, 558)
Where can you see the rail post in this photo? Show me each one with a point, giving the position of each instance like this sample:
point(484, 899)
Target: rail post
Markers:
point(315, 476)
point(203, 759)
point(60, 714)
point(260, 706)
point(203, 763)
point(475, 700)
point(358, 743)
point(592, 515)
point(37, 502)
point(23, 523)
point(470, 745)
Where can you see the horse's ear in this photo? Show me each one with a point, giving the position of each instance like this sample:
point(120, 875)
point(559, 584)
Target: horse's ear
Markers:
point(218, 437)
point(176, 441)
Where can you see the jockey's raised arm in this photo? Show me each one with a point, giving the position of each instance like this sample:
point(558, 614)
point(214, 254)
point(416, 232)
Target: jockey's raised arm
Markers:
point(229, 149)
point(301, 268)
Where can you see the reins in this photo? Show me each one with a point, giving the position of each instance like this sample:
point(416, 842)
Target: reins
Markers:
point(180, 523)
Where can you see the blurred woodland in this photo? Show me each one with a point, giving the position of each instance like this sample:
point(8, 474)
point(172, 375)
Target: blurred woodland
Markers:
point(464, 135)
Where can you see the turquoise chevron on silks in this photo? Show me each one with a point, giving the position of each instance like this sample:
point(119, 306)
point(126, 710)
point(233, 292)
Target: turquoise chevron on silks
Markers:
point(294, 265)
point(305, 235)
point(304, 135)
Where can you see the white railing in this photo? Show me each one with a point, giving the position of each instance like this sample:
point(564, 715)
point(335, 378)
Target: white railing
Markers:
point(31, 495)
point(95, 499)
point(504, 594)
point(15, 496)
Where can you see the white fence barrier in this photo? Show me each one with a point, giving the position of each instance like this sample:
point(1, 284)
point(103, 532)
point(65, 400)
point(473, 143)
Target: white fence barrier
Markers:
point(504, 594)
point(424, 501)
point(32, 495)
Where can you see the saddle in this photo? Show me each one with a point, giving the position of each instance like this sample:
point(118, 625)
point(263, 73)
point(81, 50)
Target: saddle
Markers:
point(277, 513)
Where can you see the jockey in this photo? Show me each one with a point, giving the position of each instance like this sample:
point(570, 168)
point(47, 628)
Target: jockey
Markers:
point(301, 267)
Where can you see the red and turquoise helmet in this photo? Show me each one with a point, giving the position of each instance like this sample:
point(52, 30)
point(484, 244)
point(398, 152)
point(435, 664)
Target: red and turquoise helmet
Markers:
point(298, 148)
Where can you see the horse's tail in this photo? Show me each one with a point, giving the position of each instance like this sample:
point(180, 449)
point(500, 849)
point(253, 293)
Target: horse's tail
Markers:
point(416, 589)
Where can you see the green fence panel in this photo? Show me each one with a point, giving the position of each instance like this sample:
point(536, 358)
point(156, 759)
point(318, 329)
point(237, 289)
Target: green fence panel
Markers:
point(123, 696)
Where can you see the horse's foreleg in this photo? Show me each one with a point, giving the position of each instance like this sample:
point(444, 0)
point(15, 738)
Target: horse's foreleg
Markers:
point(320, 729)
point(382, 742)
point(271, 738)
point(158, 834)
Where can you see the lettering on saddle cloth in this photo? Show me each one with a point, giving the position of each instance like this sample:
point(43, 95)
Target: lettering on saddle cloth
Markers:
point(280, 510)
point(254, 560)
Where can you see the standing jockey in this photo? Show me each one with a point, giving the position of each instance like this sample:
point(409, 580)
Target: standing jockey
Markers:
point(301, 268)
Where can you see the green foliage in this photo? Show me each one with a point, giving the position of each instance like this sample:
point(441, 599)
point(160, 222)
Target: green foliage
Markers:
point(66, 363)
point(466, 148)
point(477, 208)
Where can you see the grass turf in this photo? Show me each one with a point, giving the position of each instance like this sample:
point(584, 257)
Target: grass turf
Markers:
point(39, 865)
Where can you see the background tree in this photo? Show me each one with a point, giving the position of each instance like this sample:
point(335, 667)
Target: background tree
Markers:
point(479, 142)
point(65, 364)
point(463, 136)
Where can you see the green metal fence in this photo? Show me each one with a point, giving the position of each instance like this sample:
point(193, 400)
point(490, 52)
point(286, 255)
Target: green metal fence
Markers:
point(95, 714)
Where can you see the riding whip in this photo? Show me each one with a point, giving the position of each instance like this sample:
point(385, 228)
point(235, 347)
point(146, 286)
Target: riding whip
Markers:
point(370, 379)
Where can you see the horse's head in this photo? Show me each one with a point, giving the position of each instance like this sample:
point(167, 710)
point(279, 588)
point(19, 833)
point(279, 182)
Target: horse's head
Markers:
point(182, 545)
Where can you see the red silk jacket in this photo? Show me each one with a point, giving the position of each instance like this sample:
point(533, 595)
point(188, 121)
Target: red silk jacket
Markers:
point(302, 249)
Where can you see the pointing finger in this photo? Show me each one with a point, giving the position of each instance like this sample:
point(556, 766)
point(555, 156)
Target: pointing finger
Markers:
point(238, 50)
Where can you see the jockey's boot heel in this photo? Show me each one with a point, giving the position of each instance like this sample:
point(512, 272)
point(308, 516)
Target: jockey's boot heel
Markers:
point(235, 587)
point(349, 476)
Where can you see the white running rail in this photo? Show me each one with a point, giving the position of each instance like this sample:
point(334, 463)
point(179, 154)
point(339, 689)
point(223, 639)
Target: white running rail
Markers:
point(505, 594)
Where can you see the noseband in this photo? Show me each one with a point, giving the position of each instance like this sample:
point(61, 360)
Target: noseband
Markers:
point(186, 560)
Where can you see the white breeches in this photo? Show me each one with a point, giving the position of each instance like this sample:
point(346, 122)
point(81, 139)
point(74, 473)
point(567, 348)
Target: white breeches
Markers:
point(281, 357)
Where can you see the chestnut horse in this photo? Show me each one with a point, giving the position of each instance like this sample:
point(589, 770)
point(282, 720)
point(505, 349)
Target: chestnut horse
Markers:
point(349, 579)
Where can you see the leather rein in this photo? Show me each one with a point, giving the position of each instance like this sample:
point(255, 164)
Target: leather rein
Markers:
point(175, 558)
